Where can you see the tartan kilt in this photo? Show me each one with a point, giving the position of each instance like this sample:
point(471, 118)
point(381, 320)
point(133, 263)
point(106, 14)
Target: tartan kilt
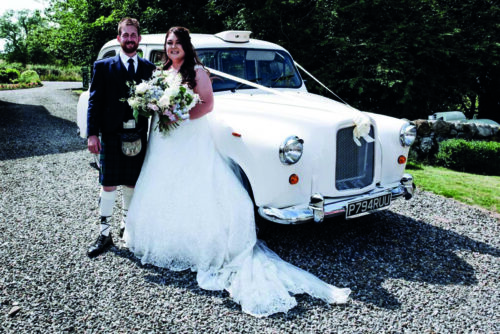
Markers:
point(117, 168)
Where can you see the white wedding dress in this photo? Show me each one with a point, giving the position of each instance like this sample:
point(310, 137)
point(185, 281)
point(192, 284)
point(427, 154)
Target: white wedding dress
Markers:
point(189, 211)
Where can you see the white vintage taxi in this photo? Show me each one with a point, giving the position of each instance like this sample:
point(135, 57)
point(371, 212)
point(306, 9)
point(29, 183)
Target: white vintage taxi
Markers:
point(301, 156)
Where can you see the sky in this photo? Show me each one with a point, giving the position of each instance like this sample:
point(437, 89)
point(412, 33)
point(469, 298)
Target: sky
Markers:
point(22, 4)
point(18, 5)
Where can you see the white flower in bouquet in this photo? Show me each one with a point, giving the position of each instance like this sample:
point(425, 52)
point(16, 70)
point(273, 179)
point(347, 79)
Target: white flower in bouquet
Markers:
point(171, 92)
point(164, 101)
point(142, 88)
point(134, 103)
point(173, 78)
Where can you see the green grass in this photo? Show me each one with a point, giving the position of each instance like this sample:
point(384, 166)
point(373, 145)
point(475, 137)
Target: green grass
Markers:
point(472, 189)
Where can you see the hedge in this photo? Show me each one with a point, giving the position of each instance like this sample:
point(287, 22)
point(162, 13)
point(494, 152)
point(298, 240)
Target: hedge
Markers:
point(29, 76)
point(478, 157)
point(9, 75)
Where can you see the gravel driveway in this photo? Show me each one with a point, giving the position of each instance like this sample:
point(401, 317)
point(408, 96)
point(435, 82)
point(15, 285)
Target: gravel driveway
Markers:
point(429, 265)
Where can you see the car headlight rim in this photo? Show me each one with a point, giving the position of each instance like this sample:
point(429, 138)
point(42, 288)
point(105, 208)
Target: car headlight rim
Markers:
point(408, 134)
point(291, 150)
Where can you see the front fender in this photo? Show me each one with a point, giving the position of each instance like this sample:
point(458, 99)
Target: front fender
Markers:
point(390, 147)
point(254, 147)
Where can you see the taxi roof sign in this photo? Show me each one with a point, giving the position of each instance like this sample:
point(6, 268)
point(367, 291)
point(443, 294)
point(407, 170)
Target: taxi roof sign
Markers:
point(234, 36)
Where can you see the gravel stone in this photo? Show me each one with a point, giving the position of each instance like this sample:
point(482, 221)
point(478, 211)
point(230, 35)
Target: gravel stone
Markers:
point(428, 265)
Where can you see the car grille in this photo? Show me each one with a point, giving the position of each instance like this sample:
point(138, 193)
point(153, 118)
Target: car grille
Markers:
point(354, 167)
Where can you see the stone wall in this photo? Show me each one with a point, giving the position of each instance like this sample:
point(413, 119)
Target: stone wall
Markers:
point(431, 132)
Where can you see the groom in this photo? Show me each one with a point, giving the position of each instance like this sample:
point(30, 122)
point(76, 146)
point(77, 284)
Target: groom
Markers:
point(123, 140)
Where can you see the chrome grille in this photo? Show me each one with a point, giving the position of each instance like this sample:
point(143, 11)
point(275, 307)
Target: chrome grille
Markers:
point(354, 167)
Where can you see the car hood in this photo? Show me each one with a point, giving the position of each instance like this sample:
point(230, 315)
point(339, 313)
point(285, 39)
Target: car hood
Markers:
point(285, 104)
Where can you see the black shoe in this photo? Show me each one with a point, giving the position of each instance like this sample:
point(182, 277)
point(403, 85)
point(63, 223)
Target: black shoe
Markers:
point(122, 230)
point(102, 243)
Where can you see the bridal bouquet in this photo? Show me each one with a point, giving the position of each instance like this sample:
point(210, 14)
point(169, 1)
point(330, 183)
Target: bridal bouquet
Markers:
point(165, 95)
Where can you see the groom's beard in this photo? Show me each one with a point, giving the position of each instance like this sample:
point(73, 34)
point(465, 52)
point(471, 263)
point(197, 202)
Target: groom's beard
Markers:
point(129, 46)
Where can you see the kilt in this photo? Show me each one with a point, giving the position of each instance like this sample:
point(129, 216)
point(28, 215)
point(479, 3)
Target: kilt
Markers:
point(117, 168)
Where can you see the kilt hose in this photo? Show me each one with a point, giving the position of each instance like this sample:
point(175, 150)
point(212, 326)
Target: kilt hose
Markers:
point(117, 168)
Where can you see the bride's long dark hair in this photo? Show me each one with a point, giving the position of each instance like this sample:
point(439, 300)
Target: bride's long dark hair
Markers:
point(190, 57)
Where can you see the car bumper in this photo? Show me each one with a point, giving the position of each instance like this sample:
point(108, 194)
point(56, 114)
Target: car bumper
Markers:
point(319, 207)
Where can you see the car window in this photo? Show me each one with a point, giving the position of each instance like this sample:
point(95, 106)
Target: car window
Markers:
point(109, 54)
point(157, 57)
point(270, 68)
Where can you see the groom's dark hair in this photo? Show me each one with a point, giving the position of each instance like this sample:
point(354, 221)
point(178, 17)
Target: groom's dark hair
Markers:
point(128, 21)
point(190, 57)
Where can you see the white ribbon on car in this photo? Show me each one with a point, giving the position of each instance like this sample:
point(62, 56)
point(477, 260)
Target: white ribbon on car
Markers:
point(253, 84)
point(361, 129)
point(361, 121)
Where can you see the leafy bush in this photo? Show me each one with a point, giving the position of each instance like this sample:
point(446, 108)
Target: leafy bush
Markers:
point(16, 66)
point(29, 76)
point(57, 73)
point(480, 157)
point(4, 78)
point(8, 75)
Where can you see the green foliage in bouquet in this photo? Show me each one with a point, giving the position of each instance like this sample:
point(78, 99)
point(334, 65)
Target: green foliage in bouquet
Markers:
point(164, 95)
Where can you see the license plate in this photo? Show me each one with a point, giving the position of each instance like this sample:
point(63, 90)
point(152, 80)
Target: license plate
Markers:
point(367, 205)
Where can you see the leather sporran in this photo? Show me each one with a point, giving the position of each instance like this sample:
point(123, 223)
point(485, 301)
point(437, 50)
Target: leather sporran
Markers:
point(131, 139)
point(131, 143)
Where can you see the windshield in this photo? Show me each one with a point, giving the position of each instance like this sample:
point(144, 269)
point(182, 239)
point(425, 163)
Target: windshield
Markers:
point(270, 68)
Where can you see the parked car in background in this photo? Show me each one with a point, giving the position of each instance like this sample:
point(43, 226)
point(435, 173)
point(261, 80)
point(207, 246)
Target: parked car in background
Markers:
point(301, 156)
point(458, 116)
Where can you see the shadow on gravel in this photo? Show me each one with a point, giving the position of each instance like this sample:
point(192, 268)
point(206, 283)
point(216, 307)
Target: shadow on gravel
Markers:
point(361, 254)
point(180, 279)
point(30, 130)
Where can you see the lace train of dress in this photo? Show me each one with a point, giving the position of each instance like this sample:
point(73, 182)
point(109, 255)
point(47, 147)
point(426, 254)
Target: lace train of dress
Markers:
point(189, 211)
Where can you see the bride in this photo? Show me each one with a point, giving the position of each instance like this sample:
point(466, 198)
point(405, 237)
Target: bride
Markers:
point(190, 211)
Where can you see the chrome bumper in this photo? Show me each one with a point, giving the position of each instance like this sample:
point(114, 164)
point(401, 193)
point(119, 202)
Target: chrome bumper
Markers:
point(320, 207)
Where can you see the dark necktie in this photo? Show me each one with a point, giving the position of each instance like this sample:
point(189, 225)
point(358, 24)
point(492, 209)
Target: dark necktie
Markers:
point(131, 70)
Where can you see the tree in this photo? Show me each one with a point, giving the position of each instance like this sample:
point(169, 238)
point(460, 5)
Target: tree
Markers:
point(405, 58)
point(411, 58)
point(25, 33)
point(83, 26)
point(79, 30)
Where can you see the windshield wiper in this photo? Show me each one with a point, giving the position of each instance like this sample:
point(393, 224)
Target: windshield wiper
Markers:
point(280, 78)
point(241, 84)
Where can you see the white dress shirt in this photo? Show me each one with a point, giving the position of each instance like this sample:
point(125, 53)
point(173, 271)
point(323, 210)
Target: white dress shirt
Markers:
point(124, 58)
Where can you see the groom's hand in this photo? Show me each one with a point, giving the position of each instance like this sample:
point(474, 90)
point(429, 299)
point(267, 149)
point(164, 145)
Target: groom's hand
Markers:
point(93, 144)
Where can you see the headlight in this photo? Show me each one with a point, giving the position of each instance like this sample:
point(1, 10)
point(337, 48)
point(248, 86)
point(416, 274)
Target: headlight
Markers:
point(291, 150)
point(408, 134)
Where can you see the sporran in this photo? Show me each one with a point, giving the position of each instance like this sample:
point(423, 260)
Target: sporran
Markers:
point(131, 139)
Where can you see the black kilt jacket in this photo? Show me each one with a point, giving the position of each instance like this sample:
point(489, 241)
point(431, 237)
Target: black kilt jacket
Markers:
point(106, 113)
